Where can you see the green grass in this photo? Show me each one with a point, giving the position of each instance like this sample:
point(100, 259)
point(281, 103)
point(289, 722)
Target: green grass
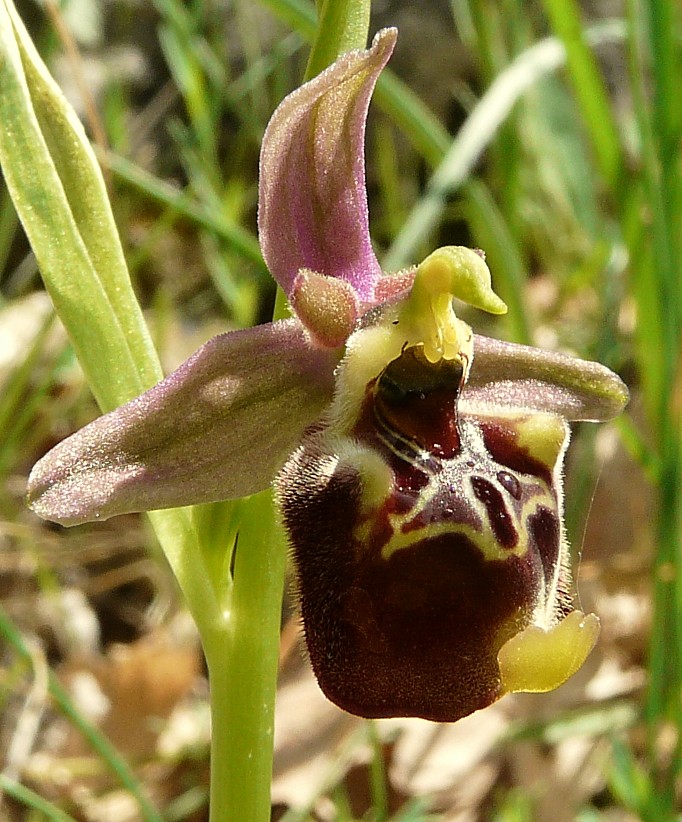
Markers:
point(575, 193)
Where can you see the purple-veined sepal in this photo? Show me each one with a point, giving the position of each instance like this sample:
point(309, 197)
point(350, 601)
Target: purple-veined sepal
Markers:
point(218, 427)
point(312, 203)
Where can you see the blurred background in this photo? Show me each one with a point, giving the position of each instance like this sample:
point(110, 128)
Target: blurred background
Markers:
point(564, 168)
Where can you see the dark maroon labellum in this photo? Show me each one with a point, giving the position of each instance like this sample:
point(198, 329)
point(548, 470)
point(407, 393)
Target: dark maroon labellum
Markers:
point(408, 594)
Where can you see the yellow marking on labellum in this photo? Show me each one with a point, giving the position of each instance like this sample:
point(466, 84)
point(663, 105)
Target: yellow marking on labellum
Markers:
point(543, 436)
point(375, 474)
point(483, 538)
point(537, 660)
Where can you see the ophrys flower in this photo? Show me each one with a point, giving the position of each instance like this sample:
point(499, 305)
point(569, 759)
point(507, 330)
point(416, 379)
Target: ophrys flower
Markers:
point(417, 465)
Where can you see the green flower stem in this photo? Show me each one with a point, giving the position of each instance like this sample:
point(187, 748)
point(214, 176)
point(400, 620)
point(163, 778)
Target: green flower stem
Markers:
point(377, 773)
point(428, 136)
point(242, 648)
point(242, 655)
point(342, 27)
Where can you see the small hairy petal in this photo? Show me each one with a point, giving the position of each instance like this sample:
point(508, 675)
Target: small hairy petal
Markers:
point(218, 427)
point(511, 375)
point(312, 205)
point(327, 307)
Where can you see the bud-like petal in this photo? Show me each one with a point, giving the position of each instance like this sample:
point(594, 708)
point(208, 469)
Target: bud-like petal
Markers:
point(312, 205)
point(327, 307)
point(218, 427)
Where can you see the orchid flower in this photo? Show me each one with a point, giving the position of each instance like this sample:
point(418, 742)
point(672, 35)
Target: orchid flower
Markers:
point(417, 466)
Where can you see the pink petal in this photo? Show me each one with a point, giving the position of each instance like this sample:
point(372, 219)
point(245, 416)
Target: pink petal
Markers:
point(508, 374)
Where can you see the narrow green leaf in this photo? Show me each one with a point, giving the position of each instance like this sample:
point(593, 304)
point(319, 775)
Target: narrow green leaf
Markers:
point(479, 129)
point(242, 241)
point(60, 197)
point(628, 781)
point(33, 800)
point(473, 138)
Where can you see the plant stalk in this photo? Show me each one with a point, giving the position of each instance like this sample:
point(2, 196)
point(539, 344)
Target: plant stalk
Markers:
point(242, 653)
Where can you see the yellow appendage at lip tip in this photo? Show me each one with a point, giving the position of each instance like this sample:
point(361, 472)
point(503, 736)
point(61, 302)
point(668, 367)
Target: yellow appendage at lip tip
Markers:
point(537, 661)
point(453, 271)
